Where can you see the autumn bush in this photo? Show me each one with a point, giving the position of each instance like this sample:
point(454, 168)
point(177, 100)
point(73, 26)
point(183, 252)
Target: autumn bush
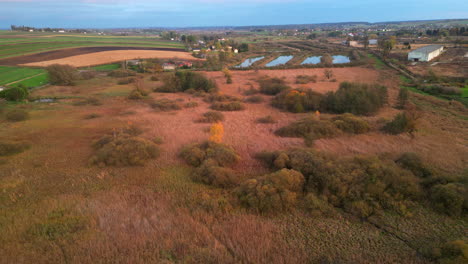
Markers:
point(363, 186)
point(273, 192)
point(11, 148)
point(355, 98)
point(87, 75)
point(450, 198)
point(350, 123)
point(402, 123)
point(297, 101)
point(266, 120)
point(217, 97)
point(62, 74)
point(164, 105)
point(304, 79)
point(255, 99)
point(272, 86)
point(196, 154)
point(212, 117)
point(411, 161)
point(309, 127)
point(17, 115)
point(181, 81)
point(123, 149)
point(209, 172)
point(452, 252)
point(135, 95)
point(227, 106)
point(191, 105)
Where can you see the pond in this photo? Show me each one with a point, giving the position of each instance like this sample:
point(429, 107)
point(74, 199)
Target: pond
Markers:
point(312, 60)
point(340, 59)
point(279, 61)
point(336, 59)
point(248, 62)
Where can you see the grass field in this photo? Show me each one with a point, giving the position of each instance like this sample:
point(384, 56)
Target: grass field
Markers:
point(13, 74)
point(106, 67)
point(35, 81)
point(24, 43)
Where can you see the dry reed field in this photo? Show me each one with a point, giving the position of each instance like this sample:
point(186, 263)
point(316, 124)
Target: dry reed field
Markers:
point(58, 207)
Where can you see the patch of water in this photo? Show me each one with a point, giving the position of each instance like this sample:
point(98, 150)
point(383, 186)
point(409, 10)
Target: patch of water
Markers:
point(336, 59)
point(279, 61)
point(340, 59)
point(312, 60)
point(248, 62)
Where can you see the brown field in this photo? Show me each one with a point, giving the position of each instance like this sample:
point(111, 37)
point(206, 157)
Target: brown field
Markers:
point(105, 57)
point(157, 214)
point(63, 53)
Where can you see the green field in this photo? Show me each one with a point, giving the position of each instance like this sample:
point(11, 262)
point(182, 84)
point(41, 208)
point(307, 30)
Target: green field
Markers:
point(13, 74)
point(22, 43)
point(35, 81)
point(106, 67)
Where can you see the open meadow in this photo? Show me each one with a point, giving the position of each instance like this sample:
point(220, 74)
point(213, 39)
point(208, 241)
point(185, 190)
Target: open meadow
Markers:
point(58, 205)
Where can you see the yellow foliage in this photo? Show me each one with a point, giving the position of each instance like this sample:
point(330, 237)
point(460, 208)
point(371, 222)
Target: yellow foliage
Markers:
point(317, 114)
point(217, 132)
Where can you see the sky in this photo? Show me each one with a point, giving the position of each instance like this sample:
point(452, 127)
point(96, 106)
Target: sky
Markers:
point(195, 13)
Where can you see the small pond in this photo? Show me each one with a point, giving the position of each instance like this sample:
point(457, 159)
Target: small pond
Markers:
point(336, 59)
point(340, 59)
point(312, 60)
point(248, 62)
point(279, 61)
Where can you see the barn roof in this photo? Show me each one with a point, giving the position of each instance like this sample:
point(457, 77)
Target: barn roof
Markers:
point(428, 49)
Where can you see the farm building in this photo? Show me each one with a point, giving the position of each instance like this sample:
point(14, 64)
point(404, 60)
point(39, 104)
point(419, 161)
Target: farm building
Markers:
point(425, 53)
point(169, 66)
point(373, 42)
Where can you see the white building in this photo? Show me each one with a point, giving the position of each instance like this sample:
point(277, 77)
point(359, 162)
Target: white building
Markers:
point(373, 42)
point(425, 53)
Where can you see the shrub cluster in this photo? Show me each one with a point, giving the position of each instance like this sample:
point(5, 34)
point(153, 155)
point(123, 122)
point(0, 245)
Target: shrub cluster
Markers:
point(355, 98)
point(163, 105)
point(272, 86)
point(123, 149)
point(62, 74)
point(212, 117)
point(402, 123)
point(18, 93)
point(10, 148)
point(17, 115)
point(216, 97)
point(120, 73)
point(196, 154)
point(227, 106)
point(211, 160)
point(361, 185)
point(181, 81)
point(297, 101)
point(255, 99)
point(451, 252)
point(272, 192)
point(124, 81)
point(441, 90)
point(304, 79)
point(266, 120)
point(312, 128)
